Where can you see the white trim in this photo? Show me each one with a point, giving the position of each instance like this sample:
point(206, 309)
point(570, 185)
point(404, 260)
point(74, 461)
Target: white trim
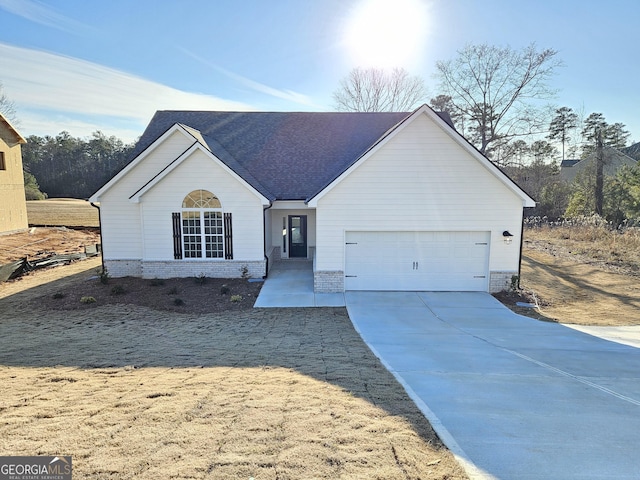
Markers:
point(527, 201)
point(135, 198)
point(145, 153)
point(289, 205)
point(203, 235)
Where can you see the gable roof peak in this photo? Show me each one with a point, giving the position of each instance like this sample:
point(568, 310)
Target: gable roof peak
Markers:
point(7, 123)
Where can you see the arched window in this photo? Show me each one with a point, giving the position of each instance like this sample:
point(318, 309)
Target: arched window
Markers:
point(201, 199)
point(202, 226)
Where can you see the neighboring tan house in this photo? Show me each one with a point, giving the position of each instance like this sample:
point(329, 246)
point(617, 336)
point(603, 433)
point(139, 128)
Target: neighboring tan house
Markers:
point(613, 160)
point(13, 207)
point(378, 201)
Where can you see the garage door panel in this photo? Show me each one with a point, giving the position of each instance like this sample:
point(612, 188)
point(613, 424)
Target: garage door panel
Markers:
point(417, 261)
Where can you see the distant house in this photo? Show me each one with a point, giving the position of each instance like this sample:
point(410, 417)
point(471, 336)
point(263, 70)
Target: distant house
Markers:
point(613, 160)
point(633, 151)
point(13, 207)
point(378, 201)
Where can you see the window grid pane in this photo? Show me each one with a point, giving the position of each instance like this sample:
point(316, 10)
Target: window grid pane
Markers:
point(214, 245)
point(203, 228)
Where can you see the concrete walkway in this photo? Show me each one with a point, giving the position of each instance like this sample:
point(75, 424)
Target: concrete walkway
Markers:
point(290, 284)
point(512, 397)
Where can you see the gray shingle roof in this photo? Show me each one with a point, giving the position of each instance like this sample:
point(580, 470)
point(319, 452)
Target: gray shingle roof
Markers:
point(285, 156)
point(613, 160)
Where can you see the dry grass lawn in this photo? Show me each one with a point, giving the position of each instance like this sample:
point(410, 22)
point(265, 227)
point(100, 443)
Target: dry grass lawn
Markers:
point(583, 275)
point(132, 392)
point(70, 212)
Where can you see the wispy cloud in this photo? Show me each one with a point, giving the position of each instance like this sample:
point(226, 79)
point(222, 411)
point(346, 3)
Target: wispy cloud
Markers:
point(38, 12)
point(287, 95)
point(39, 81)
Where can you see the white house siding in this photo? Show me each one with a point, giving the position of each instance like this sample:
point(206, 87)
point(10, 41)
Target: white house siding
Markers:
point(199, 171)
point(420, 180)
point(138, 237)
point(121, 219)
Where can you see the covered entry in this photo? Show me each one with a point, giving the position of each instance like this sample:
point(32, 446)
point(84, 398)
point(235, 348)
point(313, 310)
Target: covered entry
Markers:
point(417, 261)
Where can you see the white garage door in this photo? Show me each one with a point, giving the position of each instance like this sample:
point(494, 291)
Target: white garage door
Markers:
point(418, 261)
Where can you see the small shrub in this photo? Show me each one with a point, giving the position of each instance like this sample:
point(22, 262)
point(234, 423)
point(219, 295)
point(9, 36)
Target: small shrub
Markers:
point(87, 300)
point(156, 282)
point(236, 298)
point(178, 302)
point(58, 295)
point(118, 290)
point(173, 291)
point(201, 279)
point(244, 272)
point(224, 290)
point(515, 283)
point(104, 276)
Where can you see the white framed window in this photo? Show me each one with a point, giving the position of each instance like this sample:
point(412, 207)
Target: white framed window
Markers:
point(202, 226)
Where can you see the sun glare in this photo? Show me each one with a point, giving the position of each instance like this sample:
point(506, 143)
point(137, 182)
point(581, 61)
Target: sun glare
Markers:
point(386, 33)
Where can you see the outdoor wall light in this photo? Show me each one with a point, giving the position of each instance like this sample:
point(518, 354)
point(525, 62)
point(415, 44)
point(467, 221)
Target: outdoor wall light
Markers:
point(507, 237)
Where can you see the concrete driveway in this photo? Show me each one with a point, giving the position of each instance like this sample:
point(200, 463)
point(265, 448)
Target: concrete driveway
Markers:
point(512, 397)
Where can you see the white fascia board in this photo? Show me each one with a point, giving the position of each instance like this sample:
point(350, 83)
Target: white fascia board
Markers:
point(135, 198)
point(145, 153)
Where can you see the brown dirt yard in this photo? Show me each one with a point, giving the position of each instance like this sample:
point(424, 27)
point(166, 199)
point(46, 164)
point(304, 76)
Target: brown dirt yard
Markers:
point(39, 242)
point(136, 392)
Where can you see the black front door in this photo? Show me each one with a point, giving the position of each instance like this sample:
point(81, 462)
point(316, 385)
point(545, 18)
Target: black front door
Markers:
point(298, 236)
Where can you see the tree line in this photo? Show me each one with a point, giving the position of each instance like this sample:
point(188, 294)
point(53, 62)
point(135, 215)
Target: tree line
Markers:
point(66, 166)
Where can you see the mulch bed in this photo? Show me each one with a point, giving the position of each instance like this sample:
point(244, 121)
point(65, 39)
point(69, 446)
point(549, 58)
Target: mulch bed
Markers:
point(511, 298)
point(184, 295)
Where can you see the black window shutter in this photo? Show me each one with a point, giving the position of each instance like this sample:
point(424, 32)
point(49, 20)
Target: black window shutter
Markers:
point(228, 237)
point(177, 236)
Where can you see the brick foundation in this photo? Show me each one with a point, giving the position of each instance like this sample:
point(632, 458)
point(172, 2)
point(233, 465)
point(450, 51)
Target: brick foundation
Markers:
point(123, 268)
point(328, 281)
point(185, 268)
point(499, 281)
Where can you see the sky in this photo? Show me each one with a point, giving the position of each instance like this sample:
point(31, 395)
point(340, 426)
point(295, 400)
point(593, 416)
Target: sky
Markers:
point(87, 65)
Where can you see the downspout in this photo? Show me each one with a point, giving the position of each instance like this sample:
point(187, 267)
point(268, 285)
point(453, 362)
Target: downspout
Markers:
point(521, 246)
point(264, 238)
point(100, 225)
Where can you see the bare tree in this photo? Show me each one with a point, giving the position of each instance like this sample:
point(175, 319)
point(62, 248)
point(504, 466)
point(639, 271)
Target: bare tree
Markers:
point(7, 107)
point(378, 90)
point(496, 89)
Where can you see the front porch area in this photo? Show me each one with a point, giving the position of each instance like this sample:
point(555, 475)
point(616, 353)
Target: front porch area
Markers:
point(290, 284)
